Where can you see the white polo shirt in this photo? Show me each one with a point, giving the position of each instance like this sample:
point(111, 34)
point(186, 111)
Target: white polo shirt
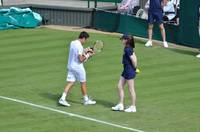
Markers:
point(170, 8)
point(76, 49)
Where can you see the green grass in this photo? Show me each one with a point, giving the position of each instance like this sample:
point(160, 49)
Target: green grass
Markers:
point(33, 69)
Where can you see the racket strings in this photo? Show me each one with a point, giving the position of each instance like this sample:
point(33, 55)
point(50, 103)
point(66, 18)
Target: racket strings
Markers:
point(98, 46)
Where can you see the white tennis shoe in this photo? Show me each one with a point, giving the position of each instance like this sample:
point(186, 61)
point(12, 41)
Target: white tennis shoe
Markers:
point(89, 102)
point(118, 107)
point(130, 109)
point(64, 103)
point(165, 44)
point(149, 43)
point(198, 56)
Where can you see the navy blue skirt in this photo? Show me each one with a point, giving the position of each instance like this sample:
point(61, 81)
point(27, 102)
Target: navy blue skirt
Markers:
point(128, 72)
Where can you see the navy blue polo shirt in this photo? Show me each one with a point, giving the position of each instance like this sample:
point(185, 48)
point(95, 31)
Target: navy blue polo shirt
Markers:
point(155, 5)
point(128, 51)
point(129, 69)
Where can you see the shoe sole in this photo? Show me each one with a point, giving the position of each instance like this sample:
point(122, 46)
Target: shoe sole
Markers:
point(130, 111)
point(148, 45)
point(63, 104)
point(117, 110)
point(89, 104)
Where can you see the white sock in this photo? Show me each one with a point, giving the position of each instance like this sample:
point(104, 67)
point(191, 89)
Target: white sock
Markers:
point(85, 98)
point(133, 106)
point(63, 96)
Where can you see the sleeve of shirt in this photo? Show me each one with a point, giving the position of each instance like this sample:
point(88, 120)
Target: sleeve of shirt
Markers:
point(129, 52)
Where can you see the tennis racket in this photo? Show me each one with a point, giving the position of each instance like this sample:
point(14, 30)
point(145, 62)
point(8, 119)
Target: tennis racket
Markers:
point(97, 46)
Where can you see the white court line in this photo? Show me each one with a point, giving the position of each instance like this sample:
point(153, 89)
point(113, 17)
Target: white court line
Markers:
point(70, 114)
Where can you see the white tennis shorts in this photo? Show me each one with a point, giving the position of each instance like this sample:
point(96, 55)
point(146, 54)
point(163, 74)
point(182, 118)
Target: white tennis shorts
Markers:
point(78, 74)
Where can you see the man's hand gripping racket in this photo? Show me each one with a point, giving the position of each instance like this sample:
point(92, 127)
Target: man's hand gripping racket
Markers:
point(97, 47)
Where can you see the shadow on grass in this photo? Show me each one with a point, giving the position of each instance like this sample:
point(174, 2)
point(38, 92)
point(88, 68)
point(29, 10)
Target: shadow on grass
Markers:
point(185, 52)
point(56, 97)
point(105, 103)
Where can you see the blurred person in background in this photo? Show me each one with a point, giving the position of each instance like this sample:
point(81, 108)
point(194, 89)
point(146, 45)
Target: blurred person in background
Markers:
point(169, 11)
point(155, 15)
point(127, 6)
point(177, 9)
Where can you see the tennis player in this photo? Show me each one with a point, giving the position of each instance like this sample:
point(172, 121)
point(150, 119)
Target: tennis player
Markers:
point(76, 70)
point(155, 15)
point(129, 63)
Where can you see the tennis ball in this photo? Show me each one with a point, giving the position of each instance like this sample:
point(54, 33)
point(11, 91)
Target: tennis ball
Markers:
point(137, 70)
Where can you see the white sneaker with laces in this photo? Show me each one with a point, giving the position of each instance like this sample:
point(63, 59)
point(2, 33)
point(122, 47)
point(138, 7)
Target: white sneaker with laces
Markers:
point(118, 107)
point(198, 56)
point(89, 102)
point(165, 44)
point(64, 103)
point(130, 109)
point(149, 43)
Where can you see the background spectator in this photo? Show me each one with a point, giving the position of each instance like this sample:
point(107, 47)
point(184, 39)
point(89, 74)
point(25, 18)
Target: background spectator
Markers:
point(127, 6)
point(169, 11)
point(155, 15)
point(177, 9)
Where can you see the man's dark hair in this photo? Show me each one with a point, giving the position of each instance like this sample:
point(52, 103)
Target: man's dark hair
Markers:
point(83, 35)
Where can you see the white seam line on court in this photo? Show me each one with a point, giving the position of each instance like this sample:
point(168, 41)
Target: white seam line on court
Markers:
point(70, 114)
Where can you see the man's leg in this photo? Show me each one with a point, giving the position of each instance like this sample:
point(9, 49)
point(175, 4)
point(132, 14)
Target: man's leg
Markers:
point(70, 82)
point(67, 89)
point(150, 31)
point(86, 99)
point(150, 34)
point(84, 89)
point(162, 30)
point(62, 100)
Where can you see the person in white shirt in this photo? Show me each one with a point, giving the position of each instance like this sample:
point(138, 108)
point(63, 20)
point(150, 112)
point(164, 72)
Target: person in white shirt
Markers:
point(76, 70)
point(127, 6)
point(177, 9)
point(169, 11)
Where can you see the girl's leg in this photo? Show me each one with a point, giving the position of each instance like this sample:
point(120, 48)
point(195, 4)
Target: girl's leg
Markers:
point(132, 91)
point(121, 85)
